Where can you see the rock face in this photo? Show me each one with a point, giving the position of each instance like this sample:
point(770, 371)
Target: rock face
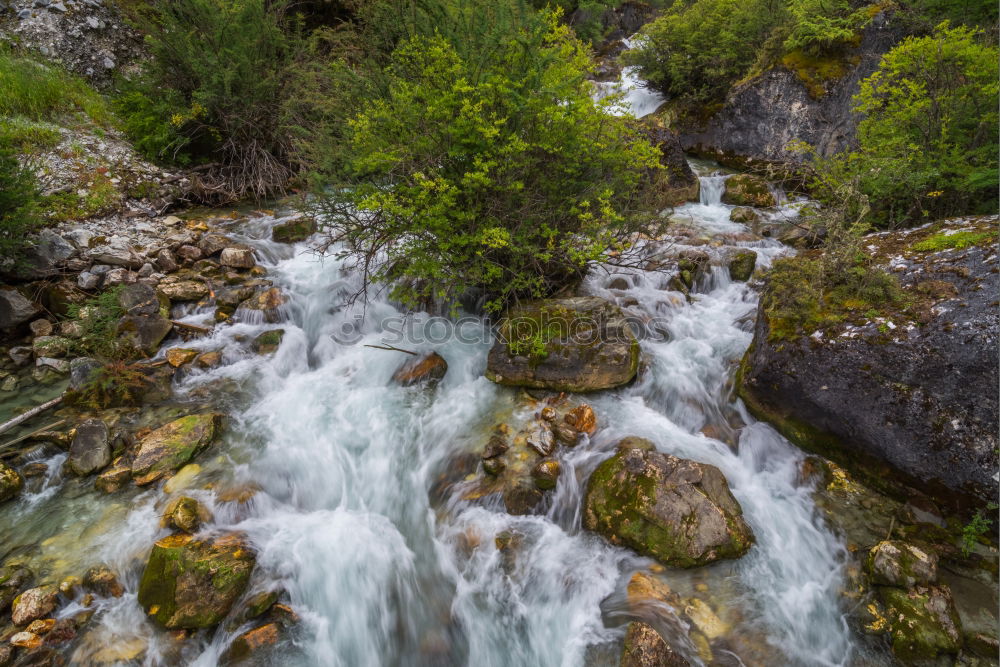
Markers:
point(764, 115)
point(676, 183)
point(169, 447)
point(644, 647)
point(90, 450)
point(577, 344)
point(10, 482)
point(908, 397)
point(192, 583)
point(676, 511)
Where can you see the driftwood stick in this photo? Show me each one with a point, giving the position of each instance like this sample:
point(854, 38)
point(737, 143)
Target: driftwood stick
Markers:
point(6, 426)
point(32, 434)
point(391, 349)
point(190, 327)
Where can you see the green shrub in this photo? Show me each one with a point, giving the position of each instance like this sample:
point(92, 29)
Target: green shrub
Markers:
point(36, 91)
point(213, 90)
point(927, 145)
point(19, 202)
point(497, 173)
point(695, 51)
point(99, 318)
point(817, 26)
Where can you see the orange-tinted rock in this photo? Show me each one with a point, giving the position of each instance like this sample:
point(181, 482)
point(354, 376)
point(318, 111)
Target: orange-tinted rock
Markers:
point(420, 370)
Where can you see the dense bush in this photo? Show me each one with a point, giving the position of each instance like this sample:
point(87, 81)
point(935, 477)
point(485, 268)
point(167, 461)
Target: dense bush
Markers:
point(213, 90)
point(927, 146)
point(19, 200)
point(495, 172)
point(694, 52)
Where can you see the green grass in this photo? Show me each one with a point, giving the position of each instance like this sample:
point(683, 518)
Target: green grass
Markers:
point(956, 241)
point(26, 135)
point(40, 92)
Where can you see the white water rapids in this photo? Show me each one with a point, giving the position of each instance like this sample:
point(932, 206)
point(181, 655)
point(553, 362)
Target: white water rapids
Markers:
point(385, 569)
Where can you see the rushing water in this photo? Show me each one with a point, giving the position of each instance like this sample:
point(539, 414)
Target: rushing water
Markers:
point(339, 469)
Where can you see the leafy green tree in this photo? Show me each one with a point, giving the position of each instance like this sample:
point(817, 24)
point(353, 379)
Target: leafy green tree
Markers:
point(927, 146)
point(499, 174)
point(818, 26)
point(695, 52)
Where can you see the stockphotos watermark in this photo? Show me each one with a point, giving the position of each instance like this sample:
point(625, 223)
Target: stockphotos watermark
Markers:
point(470, 330)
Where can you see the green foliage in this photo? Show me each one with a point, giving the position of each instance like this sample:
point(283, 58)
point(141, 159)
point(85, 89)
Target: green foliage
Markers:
point(817, 26)
point(19, 201)
point(927, 146)
point(101, 196)
point(39, 92)
point(695, 51)
point(956, 241)
point(214, 89)
point(99, 318)
point(115, 384)
point(496, 173)
point(977, 528)
point(920, 17)
point(27, 136)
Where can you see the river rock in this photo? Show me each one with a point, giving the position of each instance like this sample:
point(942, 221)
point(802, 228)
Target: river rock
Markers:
point(165, 261)
point(25, 639)
point(139, 299)
point(692, 265)
point(192, 583)
point(266, 306)
point(180, 356)
point(13, 579)
point(644, 647)
point(744, 215)
point(896, 563)
point(211, 244)
point(742, 264)
point(186, 514)
point(33, 604)
point(748, 190)
point(546, 474)
point(425, 369)
point(81, 371)
point(677, 511)
point(248, 644)
point(21, 355)
point(171, 446)
point(90, 450)
point(54, 347)
point(908, 405)
point(294, 231)
point(15, 309)
point(577, 344)
point(923, 623)
point(102, 581)
point(183, 290)
point(238, 258)
point(10, 482)
point(41, 327)
point(144, 332)
point(114, 478)
point(268, 342)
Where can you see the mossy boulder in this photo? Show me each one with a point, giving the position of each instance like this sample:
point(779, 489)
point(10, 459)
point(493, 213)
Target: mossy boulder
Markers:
point(895, 563)
point(692, 265)
point(269, 341)
point(923, 623)
point(748, 190)
point(186, 514)
point(169, 447)
point(679, 512)
point(10, 482)
point(191, 583)
point(644, 647)
point(742, 264)
point(744, 215)
point(578, 344)
point(294, 231)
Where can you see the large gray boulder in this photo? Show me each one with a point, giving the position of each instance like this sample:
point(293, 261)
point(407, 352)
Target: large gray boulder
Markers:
point(15, 308)
point(907, 398)
point(577, 344)
point(90, 450)
point(679, 512)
